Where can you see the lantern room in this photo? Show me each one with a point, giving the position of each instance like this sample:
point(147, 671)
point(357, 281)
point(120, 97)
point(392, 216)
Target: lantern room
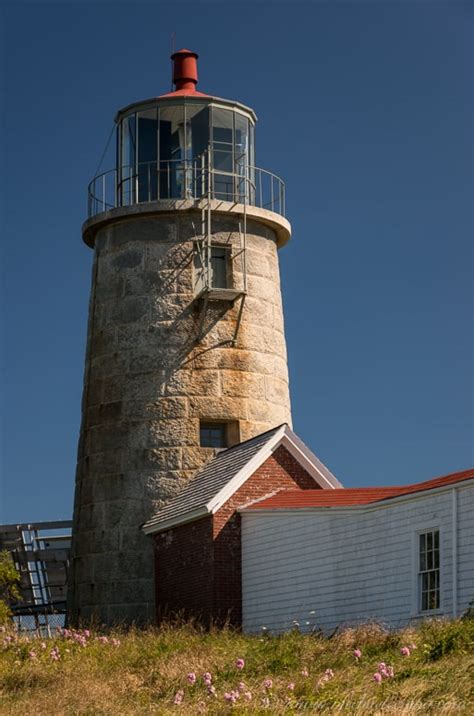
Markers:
point(185, 145)
point(166, 146)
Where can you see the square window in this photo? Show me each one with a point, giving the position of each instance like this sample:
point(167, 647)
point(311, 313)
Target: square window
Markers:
point(213, 435)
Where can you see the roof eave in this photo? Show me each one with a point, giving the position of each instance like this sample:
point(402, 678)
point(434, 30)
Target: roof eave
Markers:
point(375, 504)
point(151, 527)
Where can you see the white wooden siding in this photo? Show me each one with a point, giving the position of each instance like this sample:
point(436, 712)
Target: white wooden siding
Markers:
point(328, 567)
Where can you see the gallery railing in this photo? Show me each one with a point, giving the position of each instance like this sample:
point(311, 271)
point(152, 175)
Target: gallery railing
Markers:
point(190, 179)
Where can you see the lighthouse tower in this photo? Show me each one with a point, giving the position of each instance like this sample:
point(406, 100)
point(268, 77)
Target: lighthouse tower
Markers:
point(186, 350)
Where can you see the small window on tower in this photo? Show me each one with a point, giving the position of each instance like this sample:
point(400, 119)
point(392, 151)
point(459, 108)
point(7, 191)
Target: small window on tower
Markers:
point(213, 271)
point(213, 435)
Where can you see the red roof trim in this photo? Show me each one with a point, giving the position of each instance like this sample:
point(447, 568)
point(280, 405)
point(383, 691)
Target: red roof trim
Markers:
point(349, 497)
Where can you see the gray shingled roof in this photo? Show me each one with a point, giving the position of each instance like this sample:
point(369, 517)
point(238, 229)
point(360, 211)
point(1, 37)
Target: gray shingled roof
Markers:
point(210, 480)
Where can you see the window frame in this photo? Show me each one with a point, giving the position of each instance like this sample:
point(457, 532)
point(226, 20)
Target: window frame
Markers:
point(198, 268)
point(417, 572)
point(214, 424)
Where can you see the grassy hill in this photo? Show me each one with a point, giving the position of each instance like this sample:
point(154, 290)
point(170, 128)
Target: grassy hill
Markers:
point(179, 669)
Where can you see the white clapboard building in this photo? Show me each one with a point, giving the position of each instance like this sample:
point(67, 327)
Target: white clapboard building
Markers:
point(328, 558)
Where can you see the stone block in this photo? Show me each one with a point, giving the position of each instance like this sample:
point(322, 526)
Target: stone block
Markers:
point(257, 264)
point(153, 459)
point(164, 486)
point(193, 458)
point(193, 382)
point(128, 258)
point(264, 289)
point(157, 257)
point(130, 310)
point(258, 310)
point(131, 335)
point(142, 230)
point(105, 365)
point(109, 437)
point(262, 339)
point(118, 513)
point(98, 541)
point(186, 281)
point(104, 413)
point(110, 289)
point(159, 409)
point(223, 408)
point(102, 341)
point(239, 383)
point(151, 283)
point(172, 308)
point(276, 390)
point(138, 613)
point(146, 387)
point(171, 433)
point(248, 429)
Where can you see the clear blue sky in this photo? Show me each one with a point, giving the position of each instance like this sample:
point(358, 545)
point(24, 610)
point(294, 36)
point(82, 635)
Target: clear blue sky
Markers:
point(366, 111)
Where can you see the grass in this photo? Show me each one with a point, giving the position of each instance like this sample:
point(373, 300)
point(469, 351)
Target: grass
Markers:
point(143, 671)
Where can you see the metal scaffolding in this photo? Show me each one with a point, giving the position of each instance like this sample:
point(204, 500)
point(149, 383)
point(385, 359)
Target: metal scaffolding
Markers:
point(40, 552)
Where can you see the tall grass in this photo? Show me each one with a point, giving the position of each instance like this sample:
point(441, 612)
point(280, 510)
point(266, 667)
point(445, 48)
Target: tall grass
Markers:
point(146, 672)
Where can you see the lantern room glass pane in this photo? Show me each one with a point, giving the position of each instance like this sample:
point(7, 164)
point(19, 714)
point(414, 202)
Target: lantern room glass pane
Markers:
point(223, 153)
point(241, 153)
point(172, 152)
point(197, 130)
point(197, 143)
point(147, 143)
point(241, 139)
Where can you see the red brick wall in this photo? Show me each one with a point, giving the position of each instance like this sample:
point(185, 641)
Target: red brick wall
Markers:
point(281, 470)
point(184, 571)
point(198, 565)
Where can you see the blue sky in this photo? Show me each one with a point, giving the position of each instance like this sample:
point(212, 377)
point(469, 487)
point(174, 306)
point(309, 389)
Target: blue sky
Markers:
point(365, 109)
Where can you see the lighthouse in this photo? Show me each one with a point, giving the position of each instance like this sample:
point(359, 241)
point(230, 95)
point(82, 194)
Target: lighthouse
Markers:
point(186, 351)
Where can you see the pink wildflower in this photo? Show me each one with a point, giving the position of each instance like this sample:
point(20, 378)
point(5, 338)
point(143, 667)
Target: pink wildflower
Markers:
point(241, 686)
point(268, 683)
point(87, 633)
point(191, 677)
point(103, 639)
point(231, 696)
point(178, 699)
point(377, 677)
point(239, 663)
point(291, 686)
point(328, 674)
point(32, 654)
point(115, 642)
point(304, 672)
point(54, 653)
point(207, 677)
point(405, 651)
point(357, 654)
point(412, 646)
point(248, 696)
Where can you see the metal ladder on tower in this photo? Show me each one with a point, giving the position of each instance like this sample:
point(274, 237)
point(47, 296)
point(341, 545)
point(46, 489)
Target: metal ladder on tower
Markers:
point(204, 248)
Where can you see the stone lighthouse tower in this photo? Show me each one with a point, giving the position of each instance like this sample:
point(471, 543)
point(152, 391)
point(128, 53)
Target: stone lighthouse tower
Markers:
point(186, 348)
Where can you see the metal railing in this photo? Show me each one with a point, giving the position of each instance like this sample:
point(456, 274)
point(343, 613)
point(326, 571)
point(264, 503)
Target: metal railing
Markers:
point(205, 177)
